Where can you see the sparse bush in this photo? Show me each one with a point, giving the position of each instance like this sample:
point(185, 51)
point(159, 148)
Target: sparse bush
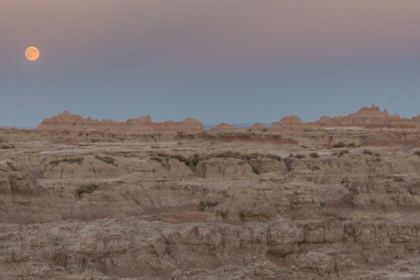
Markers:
point(204, 204)
point(417, 153)
point(314, 155)
point(86, 189)
point(265, 130)
point(7, 147)
point(273, 157)
point(106, 159)
point(158, 159)
point(181, 158)
point(322, 204)
point(339, 145)
point(155, 147)
point(368, 152)
point(342, 153)
point(195, 159)
point(298, 156)
point(161, 154)
point(398, 179)
point(315, 168)
point(68, 160)
point(377, 154)
point(353, 145)
point(250, 156)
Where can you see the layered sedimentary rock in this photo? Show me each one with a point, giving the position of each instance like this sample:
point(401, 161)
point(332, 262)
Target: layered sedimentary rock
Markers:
point(373, 117)
point(258, 127)
point(367, 118)
point(288, 123)
point(68, 122)
point(224, 127)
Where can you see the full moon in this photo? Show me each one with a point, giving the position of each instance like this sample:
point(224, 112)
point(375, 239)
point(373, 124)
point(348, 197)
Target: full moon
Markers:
point(32, 53)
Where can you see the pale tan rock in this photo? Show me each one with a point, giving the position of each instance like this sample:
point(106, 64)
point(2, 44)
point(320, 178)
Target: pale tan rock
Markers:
point(68, 122)
point(223, 127)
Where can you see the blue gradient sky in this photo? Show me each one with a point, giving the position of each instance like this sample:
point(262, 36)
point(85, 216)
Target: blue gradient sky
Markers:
point(236, 61)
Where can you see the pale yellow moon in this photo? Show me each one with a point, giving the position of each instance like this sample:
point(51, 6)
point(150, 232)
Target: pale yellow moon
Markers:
point(32, 53)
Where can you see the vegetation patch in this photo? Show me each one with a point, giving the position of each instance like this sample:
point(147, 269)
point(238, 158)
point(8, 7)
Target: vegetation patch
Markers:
point(417, 153)
point(161, 154)
point(7, 147)
point(368, 152)
point(342, 153)
point(67, 160)
point(204, 204)
point(315, 168)
point(86, 189)
point(106, 159)
point(349, 145)
point(398, 179)
point(158, 159)
point(314, 155)
point(298, 156)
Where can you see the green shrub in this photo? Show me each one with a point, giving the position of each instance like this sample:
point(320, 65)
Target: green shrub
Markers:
point(106, 159)
point(398, 179)
point(204, 204)
point(158, 159)
point(353, 145)
point(161, 154)
point(250, 156)
point(368, 152)
point(299, 156)
point(86, 189)
point(67, 160)
point(314, 155)
point(6, 147)
point(342, 153)
point(273, 157)
point(181, 158)
point(195, 159)
point(339, 145)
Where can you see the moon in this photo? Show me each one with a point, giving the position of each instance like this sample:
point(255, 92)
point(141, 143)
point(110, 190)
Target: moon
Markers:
point(32, 53)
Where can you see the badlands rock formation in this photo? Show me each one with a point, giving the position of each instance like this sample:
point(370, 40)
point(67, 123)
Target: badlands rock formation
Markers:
point(68, 122)
point(371, 117)
point(224, 127)
point(98, 202)
point(258, 127)
point(367, 118)
point(288, 123)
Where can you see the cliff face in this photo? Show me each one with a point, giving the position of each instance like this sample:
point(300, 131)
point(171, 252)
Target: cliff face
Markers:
point(288, 123)
point(68, 122)
point(367, 117)
point(373, 117)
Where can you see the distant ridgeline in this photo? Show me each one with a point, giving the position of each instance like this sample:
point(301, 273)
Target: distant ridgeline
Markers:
point(366, 118)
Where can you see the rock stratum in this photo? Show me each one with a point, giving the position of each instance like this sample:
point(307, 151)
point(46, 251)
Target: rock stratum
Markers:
point(366, 118)
point(68, 121)
point(109, 201)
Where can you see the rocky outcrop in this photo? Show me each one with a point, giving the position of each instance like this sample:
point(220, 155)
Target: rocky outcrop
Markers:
point(288, 123)
point(367, 117)
point(258, 127)
point(223, 127)
point(69, 122)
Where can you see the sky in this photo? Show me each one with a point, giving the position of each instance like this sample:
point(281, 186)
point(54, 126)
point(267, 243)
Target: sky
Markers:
point(234, 61)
